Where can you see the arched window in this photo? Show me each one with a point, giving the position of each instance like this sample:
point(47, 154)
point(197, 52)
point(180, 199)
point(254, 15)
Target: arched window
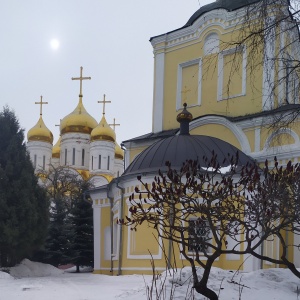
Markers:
point(211, 44)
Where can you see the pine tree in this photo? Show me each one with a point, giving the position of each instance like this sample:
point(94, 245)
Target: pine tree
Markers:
point(23, 203)
point(82, 229)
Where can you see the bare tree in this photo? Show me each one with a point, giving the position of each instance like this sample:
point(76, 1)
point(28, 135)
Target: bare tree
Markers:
point(269, 29)
point(210, 214)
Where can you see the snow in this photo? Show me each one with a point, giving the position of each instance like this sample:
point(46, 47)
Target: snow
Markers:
point(35, 281)
point(221, 170)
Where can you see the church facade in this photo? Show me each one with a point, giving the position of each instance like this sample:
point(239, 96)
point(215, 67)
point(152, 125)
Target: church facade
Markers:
point(192, 65)
point(85, 147)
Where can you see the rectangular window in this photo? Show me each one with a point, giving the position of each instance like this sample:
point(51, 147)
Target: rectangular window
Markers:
point(65, 157)
point(99, 162)
point(82, 157)
point(108, 159)
point(44, 162)
point(199, 234)
point(73, 157)
point(34, 161)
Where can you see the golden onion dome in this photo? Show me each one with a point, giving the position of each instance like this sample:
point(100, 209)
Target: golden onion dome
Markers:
point(119, 153)
point(56, 149)
point(78, 121)
point(184, 115)
point(103, 132)
point(40, 132)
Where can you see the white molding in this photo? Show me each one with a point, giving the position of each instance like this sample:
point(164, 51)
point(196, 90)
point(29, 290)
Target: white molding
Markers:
point(281, 71)
point(238, 133)
point(197, 61)
point(278, 132)
point(217, 17)
point(97, 235)
point(268, 71)
point(158, 97)
point(257, 139)
point(221, 72)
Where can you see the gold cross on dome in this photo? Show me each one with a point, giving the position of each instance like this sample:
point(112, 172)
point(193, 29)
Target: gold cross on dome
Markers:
point(104, 102)
point(184, 92)
point(114, 124)
point(80, 79)
point(41, 105)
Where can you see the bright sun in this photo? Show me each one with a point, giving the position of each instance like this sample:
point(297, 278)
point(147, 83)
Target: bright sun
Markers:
point(54, 44)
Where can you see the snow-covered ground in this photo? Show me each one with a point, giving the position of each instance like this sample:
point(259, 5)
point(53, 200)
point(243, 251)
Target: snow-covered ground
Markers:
point(36, 281)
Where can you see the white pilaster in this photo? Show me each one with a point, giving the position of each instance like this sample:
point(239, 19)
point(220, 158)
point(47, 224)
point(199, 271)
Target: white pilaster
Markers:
point(158, 101)
point(97, 235)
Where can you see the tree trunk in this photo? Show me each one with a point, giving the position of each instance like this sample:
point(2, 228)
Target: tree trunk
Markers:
point(77, 269)
point(205, 291)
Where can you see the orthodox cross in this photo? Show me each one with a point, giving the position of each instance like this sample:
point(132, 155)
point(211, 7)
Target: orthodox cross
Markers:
point(184, 92)
point(104, 102)
point(114, 124)
point(41, 105)
point(80, 79)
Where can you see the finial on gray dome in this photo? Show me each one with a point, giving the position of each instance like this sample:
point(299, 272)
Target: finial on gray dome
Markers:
point(184, 118)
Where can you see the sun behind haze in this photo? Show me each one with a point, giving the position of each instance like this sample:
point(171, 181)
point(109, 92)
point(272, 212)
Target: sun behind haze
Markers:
point(54, 43)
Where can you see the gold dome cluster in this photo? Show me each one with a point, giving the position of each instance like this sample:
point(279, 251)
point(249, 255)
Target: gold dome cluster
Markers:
point(40, 132)
point(103, 132)
point(78, 121)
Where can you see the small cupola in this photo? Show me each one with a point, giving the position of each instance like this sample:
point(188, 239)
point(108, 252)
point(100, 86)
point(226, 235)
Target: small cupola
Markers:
point(184, 118)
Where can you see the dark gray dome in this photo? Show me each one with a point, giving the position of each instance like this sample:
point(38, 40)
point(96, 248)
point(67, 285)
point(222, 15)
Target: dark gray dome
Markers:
point(177, 149)
point(229, 5)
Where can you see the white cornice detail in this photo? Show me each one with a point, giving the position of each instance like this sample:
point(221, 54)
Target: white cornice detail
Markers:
point(278, 132)
point(220, 17)
point(238, 133)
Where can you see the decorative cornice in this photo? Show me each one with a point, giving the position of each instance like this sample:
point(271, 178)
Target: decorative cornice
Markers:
point(218, 17)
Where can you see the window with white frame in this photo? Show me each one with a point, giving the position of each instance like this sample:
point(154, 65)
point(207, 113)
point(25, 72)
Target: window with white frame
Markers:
point(232, 67)
point(199, 233)
point(189, 76)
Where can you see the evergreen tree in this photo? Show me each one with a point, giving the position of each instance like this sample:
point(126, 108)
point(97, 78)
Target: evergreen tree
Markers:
point(82, 229)
point(23, 203)
point(65, 188)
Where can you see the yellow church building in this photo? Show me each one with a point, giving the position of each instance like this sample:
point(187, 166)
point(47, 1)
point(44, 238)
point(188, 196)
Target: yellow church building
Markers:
point(192, 65)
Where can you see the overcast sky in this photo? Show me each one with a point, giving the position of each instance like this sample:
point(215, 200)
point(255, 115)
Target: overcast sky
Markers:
point(110, 39)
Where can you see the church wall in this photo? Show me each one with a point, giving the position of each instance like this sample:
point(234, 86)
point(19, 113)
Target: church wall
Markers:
point(75, 144)
point(40, 154)
point(105, 151)
point(177, 65)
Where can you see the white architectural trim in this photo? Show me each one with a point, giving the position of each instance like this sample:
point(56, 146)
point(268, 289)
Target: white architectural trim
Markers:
point(238, 133)
point(257, 139)
point(217, 17)
point(221, 72)
point(97, 235)
point(197, 61)
point(278, 132)
point(281, 71)
point(158, 97)
point(268, 70)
